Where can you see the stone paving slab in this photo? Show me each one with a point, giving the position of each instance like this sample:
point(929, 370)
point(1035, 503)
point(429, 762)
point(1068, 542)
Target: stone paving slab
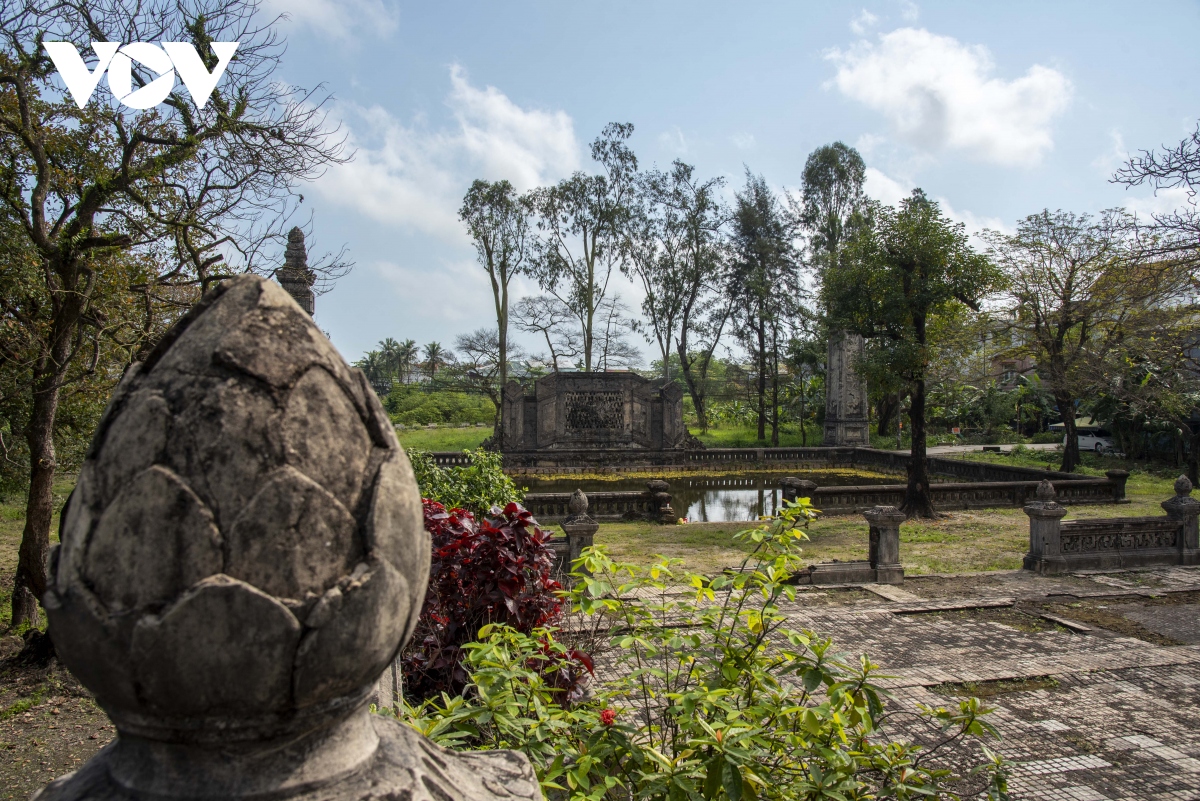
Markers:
point(1117, 717)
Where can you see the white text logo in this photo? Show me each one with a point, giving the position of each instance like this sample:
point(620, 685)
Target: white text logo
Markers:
point(118, 60)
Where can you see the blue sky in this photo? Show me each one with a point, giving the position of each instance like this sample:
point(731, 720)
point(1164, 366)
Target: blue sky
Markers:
point(998, 110)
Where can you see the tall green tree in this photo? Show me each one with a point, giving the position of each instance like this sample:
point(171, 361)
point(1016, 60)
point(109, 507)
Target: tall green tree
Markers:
point(832, 201)
point(1078, 288)
point(406, 358)
point(195, 191)
point(763, 284)
point(581, 223)
point(436, 357)
point(674, 241)
point(498, 221)
point(912, 264)
point(389, 350)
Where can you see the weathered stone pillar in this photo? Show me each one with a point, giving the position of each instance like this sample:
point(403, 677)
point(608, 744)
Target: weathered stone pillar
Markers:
point(1118, 479)
point(794, 488)
point(512, 417)
point(846, 420)
point(663, 513)
point(294, 276)
point(579, 527)
point(1045, 524)
point(243, 555)
point(884, 522)
point(1186, 511)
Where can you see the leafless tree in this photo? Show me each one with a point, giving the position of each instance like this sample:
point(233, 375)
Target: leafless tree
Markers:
point(478, 368)
point(195, 193)
point(549, 318)
point(613, 324)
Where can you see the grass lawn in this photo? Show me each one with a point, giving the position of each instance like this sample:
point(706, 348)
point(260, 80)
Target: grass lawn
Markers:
point(12, 522)
point(443, 439)
point(747, 437)
point(963, 541)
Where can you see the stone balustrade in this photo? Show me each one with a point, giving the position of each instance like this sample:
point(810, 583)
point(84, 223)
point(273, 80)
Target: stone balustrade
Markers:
point(653, 504)
point(1111, 543)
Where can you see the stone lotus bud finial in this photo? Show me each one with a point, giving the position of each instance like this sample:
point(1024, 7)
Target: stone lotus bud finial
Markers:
point(241, 558)
point(1183, 486)
point(578, 505)
point(1046, 492)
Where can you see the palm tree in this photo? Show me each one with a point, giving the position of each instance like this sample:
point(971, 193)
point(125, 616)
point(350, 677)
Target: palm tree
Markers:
point(389, 350)
point(407, 356)
point(375, 369)
point(435, 357)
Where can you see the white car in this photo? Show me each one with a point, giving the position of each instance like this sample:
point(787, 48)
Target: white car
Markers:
point(1093, 439)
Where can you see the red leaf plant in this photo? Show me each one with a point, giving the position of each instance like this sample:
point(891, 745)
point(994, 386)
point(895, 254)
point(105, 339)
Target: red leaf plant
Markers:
point(493, 571)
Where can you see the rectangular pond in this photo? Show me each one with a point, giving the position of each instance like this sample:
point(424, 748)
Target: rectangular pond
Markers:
point(714, 499)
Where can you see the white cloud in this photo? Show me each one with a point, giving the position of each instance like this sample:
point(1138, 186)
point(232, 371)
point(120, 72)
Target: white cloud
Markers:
point(863, 22)
point(937, 92)
point(340, 19)
point(909, 10)
point(889, 191)
point(885, 189)
point(1165, 201)
point(1112, 159)
point(413, 176)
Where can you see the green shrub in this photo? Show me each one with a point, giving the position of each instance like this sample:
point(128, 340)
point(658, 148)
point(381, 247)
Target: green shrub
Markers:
point(1047, 436)
point(711, 696)
point(476, 487)
point(414, 405)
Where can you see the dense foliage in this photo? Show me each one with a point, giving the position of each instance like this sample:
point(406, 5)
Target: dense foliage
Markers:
point(476, 487)
point(416, 405)
point(706, 694)
point(495, 571)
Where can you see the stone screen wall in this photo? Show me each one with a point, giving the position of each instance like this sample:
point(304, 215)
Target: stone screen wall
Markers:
point(592, 412)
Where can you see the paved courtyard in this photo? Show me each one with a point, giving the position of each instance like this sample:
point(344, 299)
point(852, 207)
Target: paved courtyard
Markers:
point(1095, 678)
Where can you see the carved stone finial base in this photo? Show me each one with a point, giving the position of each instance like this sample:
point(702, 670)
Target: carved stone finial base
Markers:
point(400, 764)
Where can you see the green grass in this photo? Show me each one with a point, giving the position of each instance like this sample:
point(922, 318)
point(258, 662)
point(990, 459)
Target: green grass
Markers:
point(443, 439)
point(12, 522)
point(960, 542)
point(747, 437)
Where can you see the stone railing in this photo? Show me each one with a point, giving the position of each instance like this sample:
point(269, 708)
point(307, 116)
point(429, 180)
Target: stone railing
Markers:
point(1110, 543)
point(450, 458)
point(653, 504)
point(961, 495)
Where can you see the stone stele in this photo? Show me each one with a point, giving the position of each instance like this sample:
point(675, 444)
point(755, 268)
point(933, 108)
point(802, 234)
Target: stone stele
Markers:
point(241, 558)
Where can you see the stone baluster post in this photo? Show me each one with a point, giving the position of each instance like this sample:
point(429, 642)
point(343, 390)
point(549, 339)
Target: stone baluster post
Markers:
point(661, 502)
point(794, 488)
point(1186, 511)
point(1118, 479)
point(579, 527)
point(885, 543)
point(1045, 523)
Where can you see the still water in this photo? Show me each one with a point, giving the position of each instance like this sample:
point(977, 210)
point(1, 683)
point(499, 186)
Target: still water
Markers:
point(708, 499)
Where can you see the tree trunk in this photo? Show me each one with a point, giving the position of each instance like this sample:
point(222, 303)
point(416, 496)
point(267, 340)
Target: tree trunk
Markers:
point(1066, 410)
point(774, 388)
point(803, 415)
point(917, 501)
point(762, 381)
point(1193, 460)
point(885, 408)
point(30, 581)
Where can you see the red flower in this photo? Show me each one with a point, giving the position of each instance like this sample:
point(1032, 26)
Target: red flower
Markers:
point(607, 717)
